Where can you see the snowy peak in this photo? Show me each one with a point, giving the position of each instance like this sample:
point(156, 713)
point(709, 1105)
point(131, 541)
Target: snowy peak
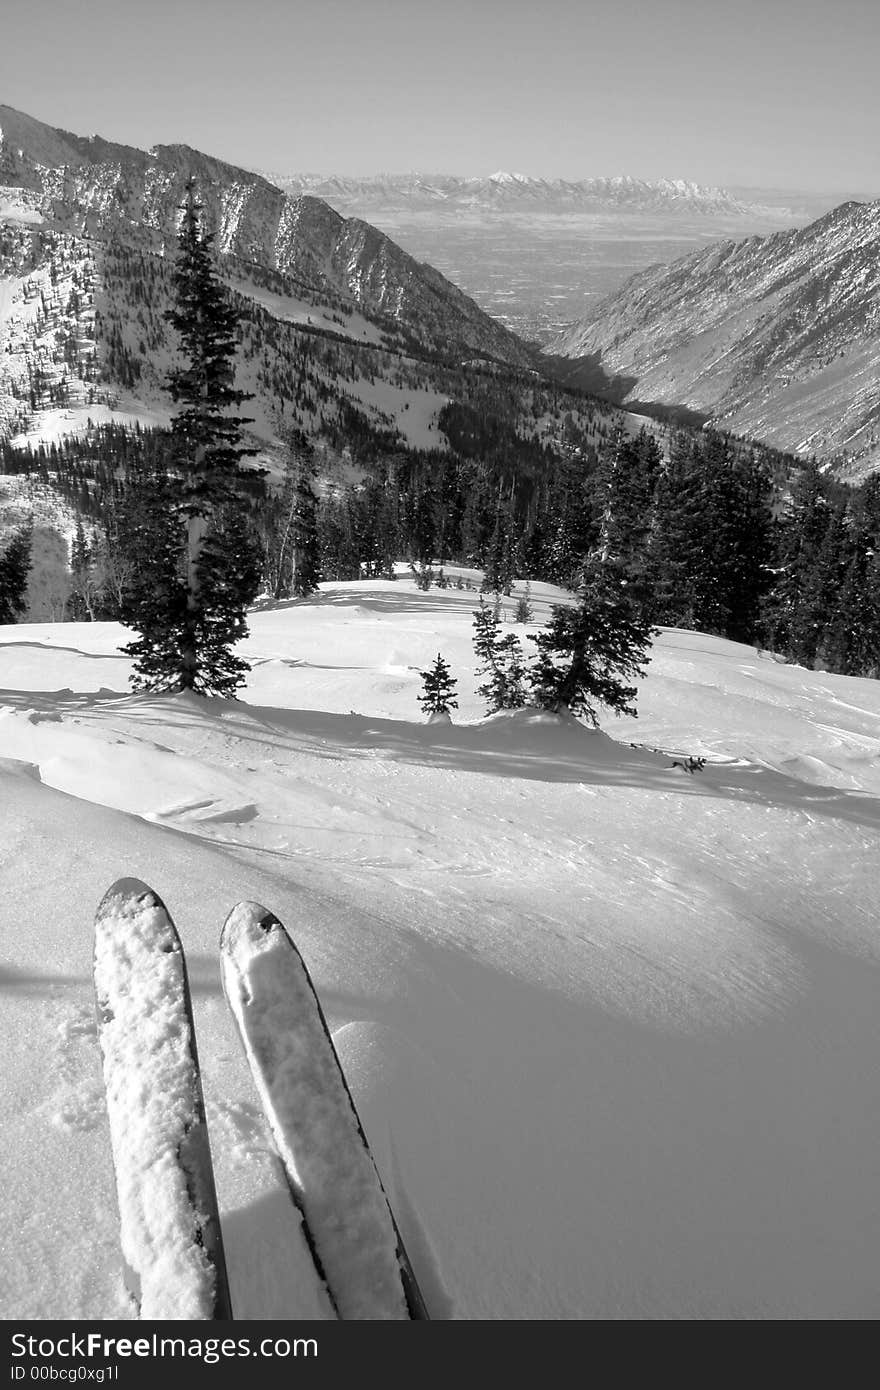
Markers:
point(24, 140)
point(30, 144)
point(504, 192)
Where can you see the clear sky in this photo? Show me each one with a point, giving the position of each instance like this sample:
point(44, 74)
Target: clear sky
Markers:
point(763, 92)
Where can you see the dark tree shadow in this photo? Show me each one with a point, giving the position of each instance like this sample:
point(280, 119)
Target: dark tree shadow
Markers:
point(565, 753)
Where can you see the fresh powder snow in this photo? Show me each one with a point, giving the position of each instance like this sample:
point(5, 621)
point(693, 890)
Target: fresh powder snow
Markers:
point(611, 1027)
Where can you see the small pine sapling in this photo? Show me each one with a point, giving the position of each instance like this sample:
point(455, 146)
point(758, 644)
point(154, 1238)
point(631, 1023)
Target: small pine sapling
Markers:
point(438, 691)
point(589, 650)
point(513, 672)
point(423, 575)
point(502, 662)
point(523, 611)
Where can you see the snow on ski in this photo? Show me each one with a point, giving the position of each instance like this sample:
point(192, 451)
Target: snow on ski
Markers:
point(169, 1224)
point(320, 1140)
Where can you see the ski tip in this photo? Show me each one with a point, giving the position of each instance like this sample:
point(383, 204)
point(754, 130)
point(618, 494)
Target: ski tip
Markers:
point(247, 920)
point(250, 929)
point(129, 890)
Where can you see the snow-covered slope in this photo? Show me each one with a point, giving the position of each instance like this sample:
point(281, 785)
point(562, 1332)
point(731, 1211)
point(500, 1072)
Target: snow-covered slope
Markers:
point(777, 337)
point(329, 307)
point(612, 1028)
point(99, 191)
point(84, 341)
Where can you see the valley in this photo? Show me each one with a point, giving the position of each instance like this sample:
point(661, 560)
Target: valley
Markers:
point(535, 276)
point(361, 330)
point(536, 253)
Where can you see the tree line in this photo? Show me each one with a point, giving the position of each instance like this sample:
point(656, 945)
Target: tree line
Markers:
point(176, 534)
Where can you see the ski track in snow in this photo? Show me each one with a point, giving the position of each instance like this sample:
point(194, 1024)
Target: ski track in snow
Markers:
point(76, 1104)
point(611, 1028)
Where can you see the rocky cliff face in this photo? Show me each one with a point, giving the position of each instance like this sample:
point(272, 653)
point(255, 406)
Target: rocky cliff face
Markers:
point(777, 337)
point(95, 189)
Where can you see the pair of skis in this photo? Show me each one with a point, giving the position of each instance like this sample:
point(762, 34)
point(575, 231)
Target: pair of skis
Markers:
point(171, 1237)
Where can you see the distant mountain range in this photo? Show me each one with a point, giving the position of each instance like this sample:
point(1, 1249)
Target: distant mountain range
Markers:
point(505, 193)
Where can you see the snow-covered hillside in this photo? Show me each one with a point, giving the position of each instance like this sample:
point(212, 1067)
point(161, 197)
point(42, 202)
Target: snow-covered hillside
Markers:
point(612, 1028)
point(98, 192)
point(775, 337)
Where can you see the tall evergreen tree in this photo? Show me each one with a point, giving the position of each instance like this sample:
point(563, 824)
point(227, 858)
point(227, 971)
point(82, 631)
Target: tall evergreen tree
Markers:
point(789, 623)
point(15, 564)
point(275, 529)
point(82, 602)
point(188, 600)
point(568, 531)
point(338, 536)
point(375, 506)
point(626, 485)
point(292, 560)
point(500, 560)
point(851, 642)
point(738, 553)
point(673, 556)
point(306, 548)
point(419, 513)
point(820, 587)
point(710, 552)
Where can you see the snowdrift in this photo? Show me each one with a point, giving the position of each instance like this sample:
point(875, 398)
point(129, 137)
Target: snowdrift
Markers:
point(611, 1026)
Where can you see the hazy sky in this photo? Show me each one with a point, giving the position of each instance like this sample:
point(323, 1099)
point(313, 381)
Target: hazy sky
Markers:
point(773, 92)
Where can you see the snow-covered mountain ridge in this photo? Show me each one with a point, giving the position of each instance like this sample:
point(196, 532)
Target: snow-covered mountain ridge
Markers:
point(777, 337)
point(85, 231)
point(504, 192)
point(96, 189)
